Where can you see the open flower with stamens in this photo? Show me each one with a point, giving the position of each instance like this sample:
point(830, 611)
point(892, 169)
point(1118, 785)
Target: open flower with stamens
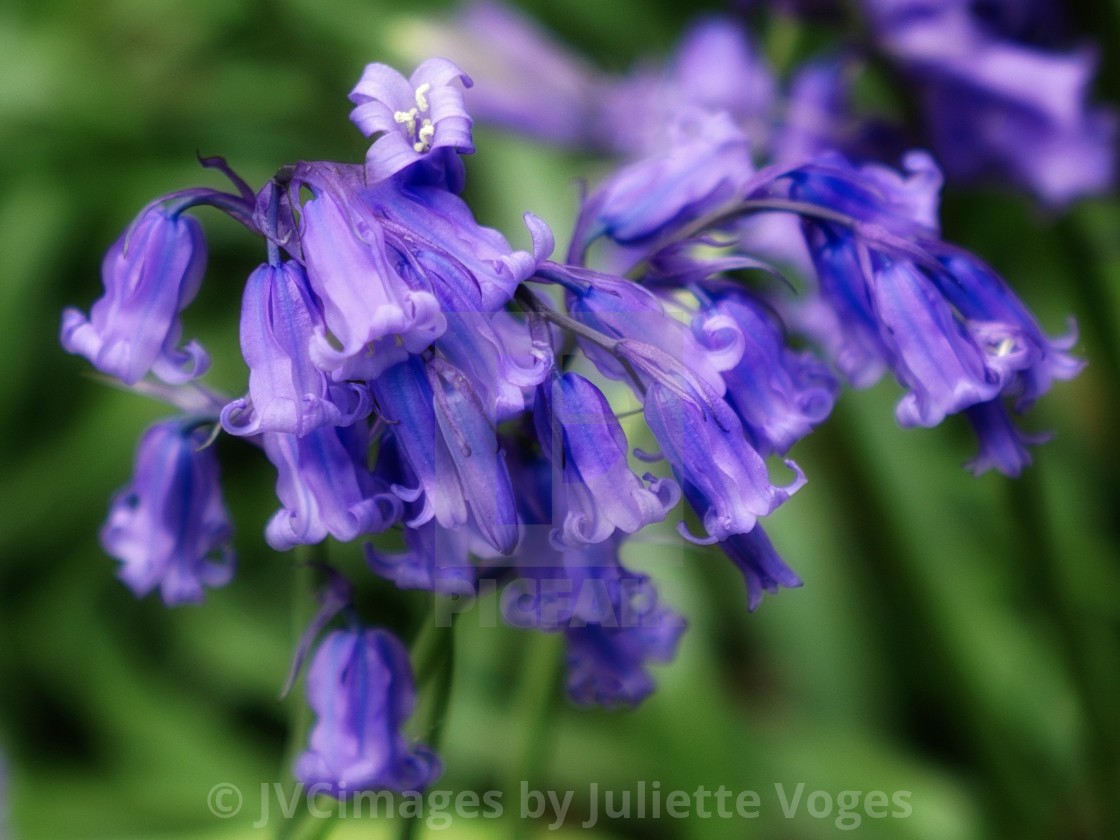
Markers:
point(419, 118)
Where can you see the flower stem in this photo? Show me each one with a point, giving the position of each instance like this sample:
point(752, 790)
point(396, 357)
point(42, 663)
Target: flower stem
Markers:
point(534, 704)
point(433, 656)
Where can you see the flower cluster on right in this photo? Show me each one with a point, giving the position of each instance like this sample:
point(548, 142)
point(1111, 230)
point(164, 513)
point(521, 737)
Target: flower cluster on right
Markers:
point(410, 371)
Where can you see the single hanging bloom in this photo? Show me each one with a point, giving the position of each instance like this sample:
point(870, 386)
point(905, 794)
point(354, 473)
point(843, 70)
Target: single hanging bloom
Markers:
point(717, 468)
point(421, 118)
point(448, 438)
point(287, 392)
point(1003, 447)
point(360, 688)
point(778, 393)
point(613, 621)
point(150, 274)
point(585, 443)
point(325, 487)
point(365, 300)
point(1003, 321)
point(169, 526)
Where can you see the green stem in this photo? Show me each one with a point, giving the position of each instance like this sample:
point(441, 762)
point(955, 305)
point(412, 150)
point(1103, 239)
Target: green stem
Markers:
point(304, 607)
point(535, 701)
point(433, 656)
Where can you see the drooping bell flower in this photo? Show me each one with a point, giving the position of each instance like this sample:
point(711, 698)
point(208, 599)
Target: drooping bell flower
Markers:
point(150, 274)
point(1002, 446)
point(759, 563)
point(287, 392)
point(583, 440)
point(448, 438)
point(705, 167)
point(618, 308)
point(419, 119)
point(614, 623)
point(361, 690)
point(364, 298)
point(949, 328)
point(778, 393)
point(440, 247)
point(933, 353)
point(325, 487)
point(998, 107)
point(169, 526)
point(1003, 321)
point(703, 440)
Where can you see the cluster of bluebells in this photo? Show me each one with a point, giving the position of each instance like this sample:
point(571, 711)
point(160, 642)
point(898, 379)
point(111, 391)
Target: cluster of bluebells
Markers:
point(1003, 90)
point(409, 371)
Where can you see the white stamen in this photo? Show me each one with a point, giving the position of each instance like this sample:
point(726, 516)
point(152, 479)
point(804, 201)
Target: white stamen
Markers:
point(407, 118)
point(421, 96)
point(1005, 347)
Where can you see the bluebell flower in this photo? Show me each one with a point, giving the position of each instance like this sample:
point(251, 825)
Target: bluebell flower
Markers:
point(438, 245)
point(447, 436)
point(760, 564)
point(287, 392)
point(435, 559)
point(618, 308)
point(607, 666)
point(1002, 321)
point(360, 688)
point(585, 443)
point(325, 487)
point(364, 298)
point(779, 394)
point(704, 167)
point(1002, 446)
point(392, 263)
point(932, 352)
point(613, 622)
point(719, 471)
point(150, 274)
point(945, 324)
point(169, 526)
point(419, 119)
point(999, 108)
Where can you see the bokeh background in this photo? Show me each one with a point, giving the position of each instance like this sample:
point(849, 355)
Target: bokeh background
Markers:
point(957, 638)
